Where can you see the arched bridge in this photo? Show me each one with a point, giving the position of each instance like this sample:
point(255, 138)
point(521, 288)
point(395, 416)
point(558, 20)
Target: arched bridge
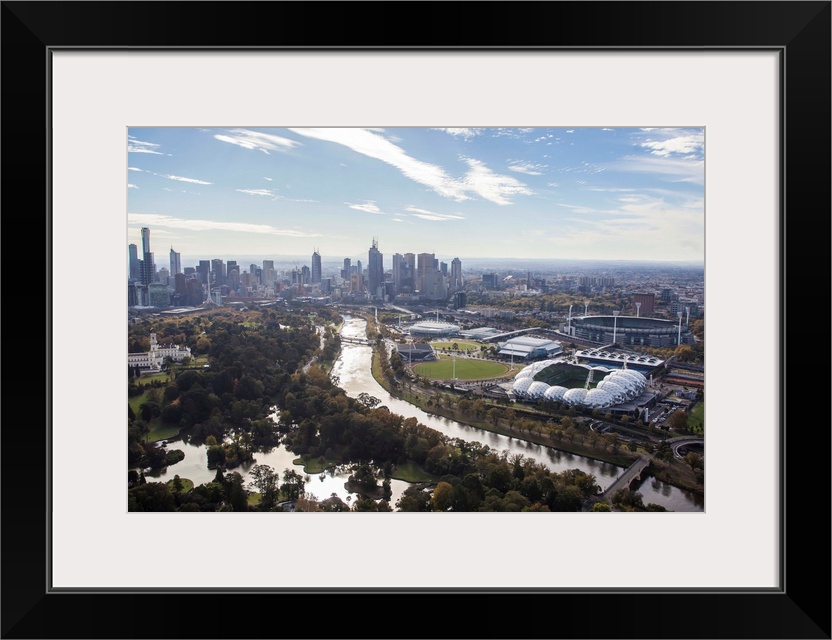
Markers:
point(632, 476)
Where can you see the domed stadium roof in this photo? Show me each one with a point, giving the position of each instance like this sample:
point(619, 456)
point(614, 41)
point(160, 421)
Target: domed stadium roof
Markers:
point(555, 393)
point(598, 398)
point(429, 327)
point(536, 390)
point(574, 396)
point(521, 386)
point(618, 392)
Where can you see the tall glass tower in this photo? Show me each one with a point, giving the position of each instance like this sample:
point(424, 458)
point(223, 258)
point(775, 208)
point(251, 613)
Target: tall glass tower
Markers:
point(148, 268)
point(316, 267)
point(175, 262)
point(375, 269)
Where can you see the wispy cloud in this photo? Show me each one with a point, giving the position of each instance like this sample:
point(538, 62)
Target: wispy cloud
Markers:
point(181, 179)
point(157, 220)
point(133, 169)
point(431, 215)
point(676, 169)
point(259, 192)
point(664, 142)
point(130, 185)
point(479, 180)
point(528, 168)
point(492, 186)
point(135, 145)
point(607, 129)
point(258, 140)
point(461, 132)
point(367, 207)
point(269, 179)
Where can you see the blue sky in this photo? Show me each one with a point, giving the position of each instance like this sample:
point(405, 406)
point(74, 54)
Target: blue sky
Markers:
point(578, 193)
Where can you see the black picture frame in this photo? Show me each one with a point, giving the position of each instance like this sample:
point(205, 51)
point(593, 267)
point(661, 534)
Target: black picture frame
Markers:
point(800, 31)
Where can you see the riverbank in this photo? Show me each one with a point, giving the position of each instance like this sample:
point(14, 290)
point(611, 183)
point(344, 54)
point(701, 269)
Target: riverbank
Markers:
point(444, 405)
point(424, 400)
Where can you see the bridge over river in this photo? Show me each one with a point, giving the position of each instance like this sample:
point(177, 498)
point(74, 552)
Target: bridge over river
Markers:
point(634, 474)
point(627, 480)
point(351, 340)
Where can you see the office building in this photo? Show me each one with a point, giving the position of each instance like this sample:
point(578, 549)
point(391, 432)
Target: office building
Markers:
point(456, 275)
point(204, 271)
point(316, 267)
point(134, 262)
point(175, 262)
point(148, 268)
point(375, 269)
point(644, 304)
point(218, 269)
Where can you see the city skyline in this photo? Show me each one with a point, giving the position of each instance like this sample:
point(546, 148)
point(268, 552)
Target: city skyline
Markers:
point(579, 193)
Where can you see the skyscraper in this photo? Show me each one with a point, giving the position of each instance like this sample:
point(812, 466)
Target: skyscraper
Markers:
point(204, 271)
point(148, 268)
point(134, 262)
point(175, 262)
point(426, 266)
point(456, 274)
point(345, 273)
point(316, 267)
point(375, 269)
point(398, 259)
point(268, 275)
point(218, 267)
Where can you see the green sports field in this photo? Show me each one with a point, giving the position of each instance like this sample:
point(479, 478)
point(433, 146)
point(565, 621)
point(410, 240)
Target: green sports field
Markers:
point(462, 345)
point(465, 369)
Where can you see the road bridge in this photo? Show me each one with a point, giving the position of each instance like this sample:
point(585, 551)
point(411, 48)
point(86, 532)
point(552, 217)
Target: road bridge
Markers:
point(631, 476)
point(363, 341)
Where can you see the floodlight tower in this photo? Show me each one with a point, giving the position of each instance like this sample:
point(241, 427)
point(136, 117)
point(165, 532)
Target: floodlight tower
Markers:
point(614, 324)
point(687, 315)
point(638, 309)
point(586, 307)
point(679, 338)
point(569, 322)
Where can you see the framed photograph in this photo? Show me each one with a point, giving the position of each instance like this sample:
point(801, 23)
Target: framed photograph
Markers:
point(82, 79)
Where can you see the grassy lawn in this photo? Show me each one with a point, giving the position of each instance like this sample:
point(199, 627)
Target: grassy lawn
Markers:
point(409, 472)
point(187, 485)
point(161, 431)
point(158, 430)
point(318, 465)
point(163, 377)
point(465, 369)
point(696, 420)
point(253, 499)
point(464, 345)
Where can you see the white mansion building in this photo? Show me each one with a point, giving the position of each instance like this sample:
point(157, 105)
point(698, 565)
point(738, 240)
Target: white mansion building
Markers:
point(155, 358)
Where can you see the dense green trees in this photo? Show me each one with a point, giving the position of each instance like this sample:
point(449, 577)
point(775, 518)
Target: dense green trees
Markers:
point(254, 365)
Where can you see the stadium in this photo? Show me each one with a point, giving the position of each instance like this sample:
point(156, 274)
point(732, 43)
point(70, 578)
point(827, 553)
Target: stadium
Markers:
point(629, 331)
point(578, 385)
point(430, 329)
